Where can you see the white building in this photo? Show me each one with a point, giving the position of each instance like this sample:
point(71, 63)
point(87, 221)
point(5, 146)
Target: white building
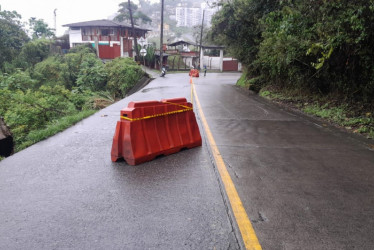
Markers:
point(188, 17)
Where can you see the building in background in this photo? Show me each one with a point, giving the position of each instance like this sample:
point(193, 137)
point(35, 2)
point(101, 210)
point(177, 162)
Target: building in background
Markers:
point(189, 17)
point(112, 39)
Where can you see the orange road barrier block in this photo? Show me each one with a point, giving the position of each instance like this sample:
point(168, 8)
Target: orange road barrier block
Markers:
point(152, 128)
point(194, 73)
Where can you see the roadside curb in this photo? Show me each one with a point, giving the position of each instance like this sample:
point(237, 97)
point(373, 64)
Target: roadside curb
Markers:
point(141, 84)
point(320, 122)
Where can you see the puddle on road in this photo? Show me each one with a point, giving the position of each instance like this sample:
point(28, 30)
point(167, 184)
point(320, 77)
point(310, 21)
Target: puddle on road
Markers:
point(149, 89)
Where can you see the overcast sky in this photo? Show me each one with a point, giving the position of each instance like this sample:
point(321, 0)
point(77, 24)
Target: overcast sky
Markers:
point(68, 11)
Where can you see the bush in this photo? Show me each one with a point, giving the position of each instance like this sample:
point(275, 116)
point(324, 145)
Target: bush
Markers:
point(34, 51)
point(83, 49)
point(92, 73)
point(19, 80)
point(70, 69)
point(49, 71)
point(32, 110)
point(123, 74)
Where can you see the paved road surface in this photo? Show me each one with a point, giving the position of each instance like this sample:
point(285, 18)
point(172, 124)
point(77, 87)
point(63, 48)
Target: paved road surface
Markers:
point(304, 185)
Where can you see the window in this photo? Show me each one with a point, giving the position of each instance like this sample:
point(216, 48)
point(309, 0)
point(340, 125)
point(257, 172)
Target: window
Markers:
point(86, 31)
point(107, 32)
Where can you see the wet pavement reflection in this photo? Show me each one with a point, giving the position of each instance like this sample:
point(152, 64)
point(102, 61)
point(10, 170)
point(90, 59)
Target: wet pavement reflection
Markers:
point(303, 185)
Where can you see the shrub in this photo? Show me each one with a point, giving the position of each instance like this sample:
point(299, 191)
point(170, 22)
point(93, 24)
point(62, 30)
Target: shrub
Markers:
point(123, 74)
point(83, 49)
point(92, 73)
point(35, 51)
point(19, 80)
point(49, 71)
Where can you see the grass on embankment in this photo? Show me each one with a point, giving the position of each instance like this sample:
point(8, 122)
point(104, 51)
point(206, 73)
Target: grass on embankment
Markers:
point(352, 118)
point(53, 128)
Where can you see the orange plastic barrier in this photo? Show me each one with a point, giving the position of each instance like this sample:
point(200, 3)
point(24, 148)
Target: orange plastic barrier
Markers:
point(152, 128)
point(194, 73)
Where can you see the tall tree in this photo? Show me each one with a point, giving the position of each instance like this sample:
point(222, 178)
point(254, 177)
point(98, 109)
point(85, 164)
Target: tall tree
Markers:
point(137, 15)
point(40, 28)
point(133, 31)
point(129, 11)
point(12, 36)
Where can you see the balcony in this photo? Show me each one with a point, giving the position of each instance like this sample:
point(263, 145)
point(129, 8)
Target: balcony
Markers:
point(101, 38)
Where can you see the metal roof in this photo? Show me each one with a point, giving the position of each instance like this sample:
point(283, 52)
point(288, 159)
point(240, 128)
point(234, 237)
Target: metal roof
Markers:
point(102, 23)
point(181, 42)
point(194, 44)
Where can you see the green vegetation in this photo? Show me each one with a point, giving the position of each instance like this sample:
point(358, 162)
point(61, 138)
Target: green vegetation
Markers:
point(121, 79)
point(43, 93)
point(326, 108)
point(51, 129)
point(137, 15)
point(243, 81)
point(176, 62)
point(40, 29)
point(319, 50)
point(12, 36)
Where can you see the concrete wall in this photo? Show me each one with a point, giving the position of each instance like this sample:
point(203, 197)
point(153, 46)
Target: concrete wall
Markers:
point(211, 62)
point(188, 62)
point(214, 63)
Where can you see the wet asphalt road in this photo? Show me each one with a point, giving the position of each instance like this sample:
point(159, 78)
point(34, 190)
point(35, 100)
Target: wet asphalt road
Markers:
point(304, 185)
point(65, 193)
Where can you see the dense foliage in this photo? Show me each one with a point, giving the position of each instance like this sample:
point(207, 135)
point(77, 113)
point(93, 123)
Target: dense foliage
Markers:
point(42, 92)
point(12, 36)
point(121, 79)
point(62, 86)
point(317, 46)
point(40, 28)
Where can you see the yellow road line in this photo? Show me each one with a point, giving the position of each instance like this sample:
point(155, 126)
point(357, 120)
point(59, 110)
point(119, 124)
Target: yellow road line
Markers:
point(248, 234)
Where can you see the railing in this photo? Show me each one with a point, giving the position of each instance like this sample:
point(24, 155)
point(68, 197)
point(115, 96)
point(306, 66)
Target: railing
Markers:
point(86, 38)
point(114, 38)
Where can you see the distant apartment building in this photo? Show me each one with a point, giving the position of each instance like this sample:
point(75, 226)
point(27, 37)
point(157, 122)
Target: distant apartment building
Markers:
point(188, 17)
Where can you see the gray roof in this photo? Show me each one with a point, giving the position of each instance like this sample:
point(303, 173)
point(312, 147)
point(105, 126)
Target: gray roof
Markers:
point(181, 42)
point(194, 44)
point(102, 23)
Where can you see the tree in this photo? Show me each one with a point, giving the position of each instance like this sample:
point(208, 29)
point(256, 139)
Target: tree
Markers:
point(35, 51)
point(317, 46)
point(142, 17)
point(40, 29)
point(124, 14)
point(237, 25)
point(12, 36)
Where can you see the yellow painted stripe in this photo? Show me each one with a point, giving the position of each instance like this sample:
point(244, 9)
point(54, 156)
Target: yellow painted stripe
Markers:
point(248, 234)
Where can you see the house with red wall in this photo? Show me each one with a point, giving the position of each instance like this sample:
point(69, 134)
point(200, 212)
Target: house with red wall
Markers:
point(113, 39)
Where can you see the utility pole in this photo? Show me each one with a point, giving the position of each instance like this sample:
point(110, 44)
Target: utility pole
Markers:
point(162, 35)
point(133, 30)
point(201, 39)
point(54, 12)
